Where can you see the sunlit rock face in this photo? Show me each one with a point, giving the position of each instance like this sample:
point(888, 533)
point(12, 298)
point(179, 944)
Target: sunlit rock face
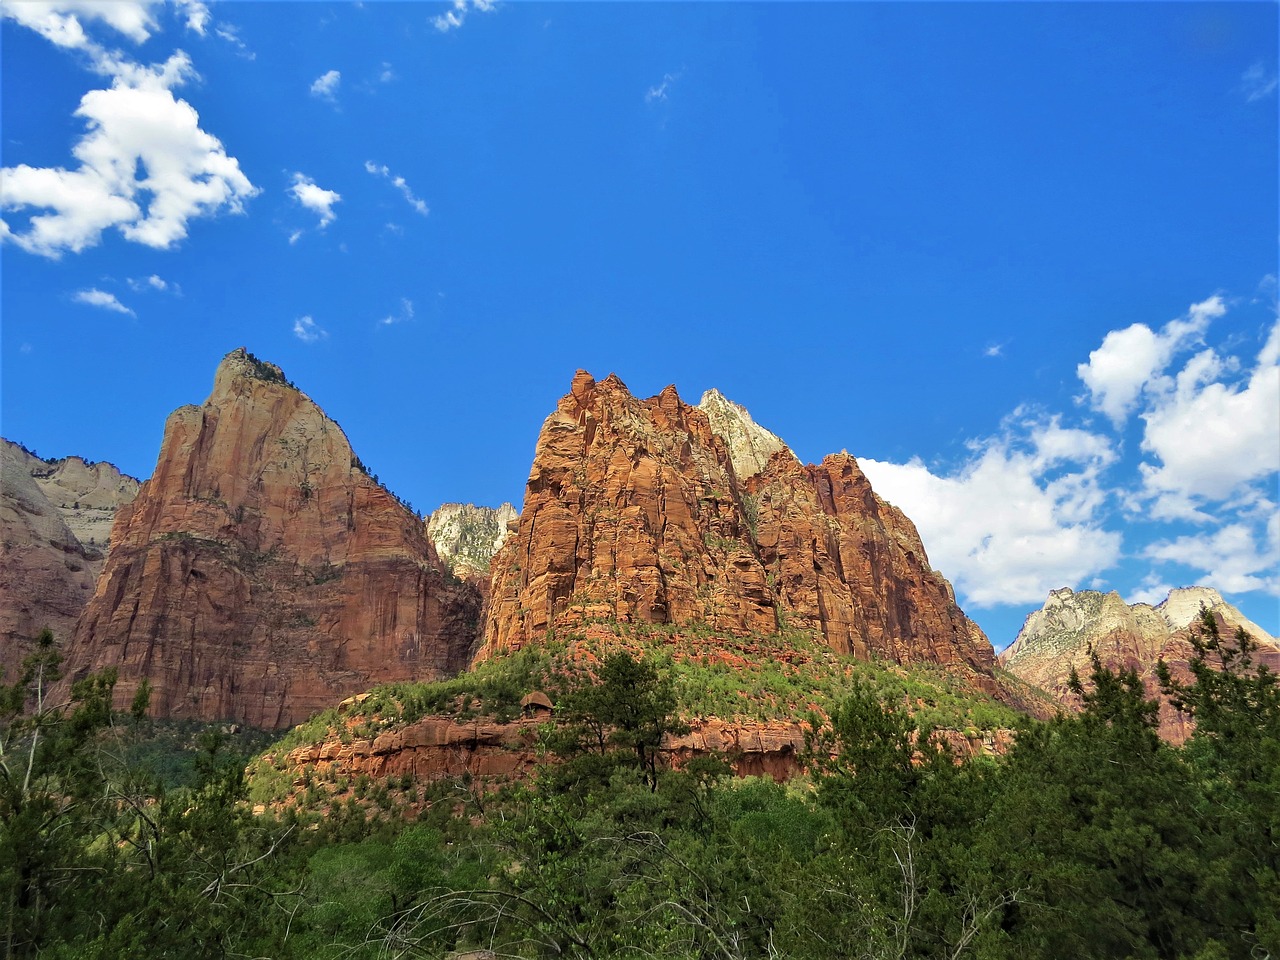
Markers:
point(659, 512)
point(466, 536)
point(261, 574)
point(1061, 636)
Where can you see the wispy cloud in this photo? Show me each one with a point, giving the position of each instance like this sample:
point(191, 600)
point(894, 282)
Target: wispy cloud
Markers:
point(101, 298)
point(316, 199)
point(197, 15)
point(455, 17)
point(1257, 84)
point(308, 331)
point(405, 314)
point(326, 86)
point(399, 183)
point(154, 282)
point(995, 349)
point(385, 73)
point(661, 90)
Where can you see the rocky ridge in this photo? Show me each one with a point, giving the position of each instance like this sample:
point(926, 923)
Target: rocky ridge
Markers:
point(56, 520)
point(1059, 637)
point(261, 575)
point(635, 511)
point(467, 536)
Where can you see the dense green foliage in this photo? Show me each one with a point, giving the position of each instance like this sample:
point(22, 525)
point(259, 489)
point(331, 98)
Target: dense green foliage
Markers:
point(1091, 838)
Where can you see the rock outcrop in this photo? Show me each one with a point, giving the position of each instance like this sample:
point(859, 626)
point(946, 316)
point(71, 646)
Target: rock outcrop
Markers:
point(55, 522)
point(261, 575)
point(655, 511)
point(87, 495)
point(466, 536)
point(1060, 637)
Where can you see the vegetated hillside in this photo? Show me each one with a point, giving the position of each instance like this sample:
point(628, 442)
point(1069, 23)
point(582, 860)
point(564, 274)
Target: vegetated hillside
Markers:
point(1089, 837)
point(261, 574)
point(752, 698)
point(1072, 627)
point(656, 512)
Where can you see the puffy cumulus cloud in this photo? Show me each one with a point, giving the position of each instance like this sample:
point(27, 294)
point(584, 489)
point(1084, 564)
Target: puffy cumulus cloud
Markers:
point(1236, 558)
point(316, 199)
point(1213, 436)
point(101, 298)
point(308, 331)
point(1019, 518)
point(1130, 359)
point(326, 86)
point(146, 168)
point(456, 16)
point(399, 183)
point(62, 22)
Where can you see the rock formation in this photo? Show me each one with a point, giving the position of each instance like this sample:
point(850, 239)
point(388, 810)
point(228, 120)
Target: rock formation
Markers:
point(466, 537)
point(55, 521)
point(656, 511)
point(1059, 638)
point(261, 575)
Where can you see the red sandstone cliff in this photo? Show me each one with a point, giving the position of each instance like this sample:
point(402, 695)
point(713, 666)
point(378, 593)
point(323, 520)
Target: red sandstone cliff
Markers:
point(260, 575)
point(634, 510)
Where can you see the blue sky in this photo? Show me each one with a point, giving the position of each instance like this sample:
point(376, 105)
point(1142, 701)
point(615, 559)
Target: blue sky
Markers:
point(1020, 259)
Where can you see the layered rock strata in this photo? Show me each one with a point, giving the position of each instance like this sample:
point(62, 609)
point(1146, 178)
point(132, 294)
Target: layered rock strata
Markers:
point(655, 511)
point(261, 575)
point(1072, 626)
point(440, 748)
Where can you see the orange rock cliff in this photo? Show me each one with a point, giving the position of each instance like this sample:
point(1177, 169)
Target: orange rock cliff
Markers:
point(261, 575)
point(642, 510)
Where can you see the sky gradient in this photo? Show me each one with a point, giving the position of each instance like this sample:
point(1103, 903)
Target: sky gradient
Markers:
point(1019, 259)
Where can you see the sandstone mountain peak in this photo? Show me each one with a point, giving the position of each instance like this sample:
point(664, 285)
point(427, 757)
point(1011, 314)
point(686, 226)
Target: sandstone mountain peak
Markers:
point(750, 445)
point(261, 574)
point(635, 511)
point(1062, 635)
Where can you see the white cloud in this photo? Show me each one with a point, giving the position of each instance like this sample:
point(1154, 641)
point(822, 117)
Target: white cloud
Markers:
point(1213, 440)
point(406, 313)
point(1234, 558)
point(100, 298)
point(308, 331)
point(1019, 518)
point(1257, 84)
point(197, 15)
point(326, 86)
point(994, 350)
point(141, 142)
point(660, 91)
point(457, 15)
point(385, 73)
point(316, 199)
point(62, 22)
point(154, 282)
point(399, 183)
point(1120, 369)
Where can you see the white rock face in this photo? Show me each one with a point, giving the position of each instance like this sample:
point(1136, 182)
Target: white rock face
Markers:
point(1182, 606)
point(87, 496)
point(750, 445)
point(467, 536)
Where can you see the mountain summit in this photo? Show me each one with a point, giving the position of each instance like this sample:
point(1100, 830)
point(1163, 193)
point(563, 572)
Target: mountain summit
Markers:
point(261, 574)
point(655, 511)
